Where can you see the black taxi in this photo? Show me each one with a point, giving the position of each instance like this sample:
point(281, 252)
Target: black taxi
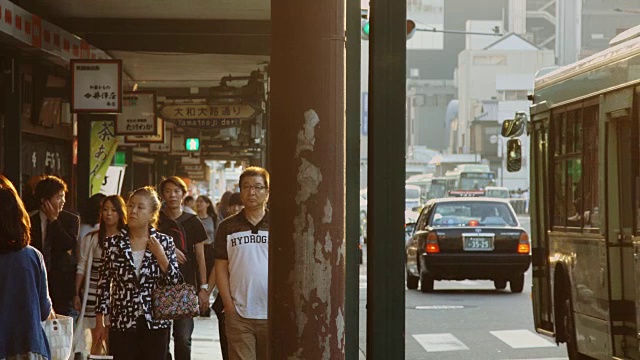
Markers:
point(468, 238)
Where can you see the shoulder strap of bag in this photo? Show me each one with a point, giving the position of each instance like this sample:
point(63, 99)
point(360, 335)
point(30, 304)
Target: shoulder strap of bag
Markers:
point(181, 221)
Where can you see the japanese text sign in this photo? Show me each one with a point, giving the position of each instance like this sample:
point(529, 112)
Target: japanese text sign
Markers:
point(165, 147)
point(103, 146)
point(208, 116)
point(146, 139)
point(138, 115)
point(96, 86)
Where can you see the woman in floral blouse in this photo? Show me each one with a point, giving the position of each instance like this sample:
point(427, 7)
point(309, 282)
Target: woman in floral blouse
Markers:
point(134, 262)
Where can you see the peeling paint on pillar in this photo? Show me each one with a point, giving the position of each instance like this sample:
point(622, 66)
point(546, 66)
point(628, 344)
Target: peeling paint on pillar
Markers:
point(312, 279)
point(309, 178)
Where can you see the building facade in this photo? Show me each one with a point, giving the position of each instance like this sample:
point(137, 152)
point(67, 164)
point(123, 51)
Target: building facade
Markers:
point(493, 83)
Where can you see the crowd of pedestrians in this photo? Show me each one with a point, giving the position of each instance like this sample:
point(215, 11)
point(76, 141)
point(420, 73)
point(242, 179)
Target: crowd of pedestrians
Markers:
point(102, 268)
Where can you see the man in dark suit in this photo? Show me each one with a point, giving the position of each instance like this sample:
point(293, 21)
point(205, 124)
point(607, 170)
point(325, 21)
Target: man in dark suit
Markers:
point(54, 232)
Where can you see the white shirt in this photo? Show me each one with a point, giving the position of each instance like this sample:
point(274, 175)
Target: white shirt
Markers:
point(138, 256)
point(188, 210)
point(248, 282)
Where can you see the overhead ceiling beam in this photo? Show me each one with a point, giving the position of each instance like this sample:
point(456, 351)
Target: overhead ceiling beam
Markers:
point(232, 37)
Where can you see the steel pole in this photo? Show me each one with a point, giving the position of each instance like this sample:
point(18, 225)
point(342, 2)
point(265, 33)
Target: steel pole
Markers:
point(307, 163)
point(352, 300)
point(385, 214)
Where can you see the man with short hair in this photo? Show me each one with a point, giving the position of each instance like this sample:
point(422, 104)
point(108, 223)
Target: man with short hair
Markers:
point(54, 232)
point(189, 236)
point(241, 250)
point(189, 205)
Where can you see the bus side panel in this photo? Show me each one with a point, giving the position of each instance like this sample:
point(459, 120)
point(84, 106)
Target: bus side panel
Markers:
point(594, 337)
point(589, 288)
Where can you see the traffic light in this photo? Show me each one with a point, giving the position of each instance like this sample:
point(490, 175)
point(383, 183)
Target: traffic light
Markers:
point(366, 29)
point(365, 26)
point(411, 28)
point(192, 144)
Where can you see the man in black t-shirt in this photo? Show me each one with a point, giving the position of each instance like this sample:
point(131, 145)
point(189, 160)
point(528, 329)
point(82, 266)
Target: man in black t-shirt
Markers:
point(188, 235)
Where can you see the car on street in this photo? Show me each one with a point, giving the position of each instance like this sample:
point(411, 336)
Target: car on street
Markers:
point(497, 192)
point(468, 238)
point(410, 219)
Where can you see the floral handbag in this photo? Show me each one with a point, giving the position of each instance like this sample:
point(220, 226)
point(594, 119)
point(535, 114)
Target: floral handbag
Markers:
point(175, 302)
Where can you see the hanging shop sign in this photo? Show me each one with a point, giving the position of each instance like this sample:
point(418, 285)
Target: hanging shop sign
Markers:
point(190, 160)
point(194, 168)
point(165, 147)
point(96, 86)
point(157, 138)
point(138, 115)
point(204, 116)
point(103, 147)
point(112, 183)
point(177, 145)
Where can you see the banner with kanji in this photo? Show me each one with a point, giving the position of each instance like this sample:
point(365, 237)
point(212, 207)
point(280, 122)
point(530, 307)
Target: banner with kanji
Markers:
point(103, 147)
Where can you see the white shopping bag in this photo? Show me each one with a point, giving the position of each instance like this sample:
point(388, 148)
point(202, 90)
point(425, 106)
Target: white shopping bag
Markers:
point(59, 332)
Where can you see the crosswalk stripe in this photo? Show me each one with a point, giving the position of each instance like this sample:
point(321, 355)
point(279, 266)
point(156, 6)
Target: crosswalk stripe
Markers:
point(554, 358)
point(521, 339)
point(440, 342)
point(543, 359)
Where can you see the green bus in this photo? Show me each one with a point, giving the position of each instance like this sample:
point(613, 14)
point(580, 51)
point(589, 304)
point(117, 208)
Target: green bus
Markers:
point(470, 177)
point(585, 203)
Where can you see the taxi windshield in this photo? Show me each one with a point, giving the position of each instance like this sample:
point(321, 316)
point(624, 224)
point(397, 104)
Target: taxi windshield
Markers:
point(472, 214)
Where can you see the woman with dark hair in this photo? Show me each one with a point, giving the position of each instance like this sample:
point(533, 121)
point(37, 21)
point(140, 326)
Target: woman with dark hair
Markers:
point(207, 214)
point(113, 217)
point(135, 262)
point(223, 208)
point(24, 295)
point(90, 215)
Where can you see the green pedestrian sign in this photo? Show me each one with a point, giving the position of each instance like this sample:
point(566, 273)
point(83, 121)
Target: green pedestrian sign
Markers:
point(192, 144)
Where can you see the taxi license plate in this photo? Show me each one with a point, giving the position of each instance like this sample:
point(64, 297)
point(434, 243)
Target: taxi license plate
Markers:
point(478, 243)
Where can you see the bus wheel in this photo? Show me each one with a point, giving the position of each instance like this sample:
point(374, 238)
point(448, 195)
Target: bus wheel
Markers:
point(500, 284)
point(568, 323)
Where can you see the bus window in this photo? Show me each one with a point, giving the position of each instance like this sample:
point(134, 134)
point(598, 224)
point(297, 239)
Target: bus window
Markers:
point(559, 208)
point(590, 168)
point(574, 168)
point(625, 173)
point(569, 188)
point(574, 193)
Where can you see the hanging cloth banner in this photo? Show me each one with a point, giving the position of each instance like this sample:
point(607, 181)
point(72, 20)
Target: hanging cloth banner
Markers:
point(103, 147)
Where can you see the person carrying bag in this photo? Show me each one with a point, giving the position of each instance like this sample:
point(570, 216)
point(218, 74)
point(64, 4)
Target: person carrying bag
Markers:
point(59, 331)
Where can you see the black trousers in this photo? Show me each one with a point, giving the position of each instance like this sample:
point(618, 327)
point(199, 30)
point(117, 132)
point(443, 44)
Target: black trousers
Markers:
point(139, 344)
point(218, 308)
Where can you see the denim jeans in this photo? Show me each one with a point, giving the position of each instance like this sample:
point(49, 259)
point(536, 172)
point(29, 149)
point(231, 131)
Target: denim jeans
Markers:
point(182, 330)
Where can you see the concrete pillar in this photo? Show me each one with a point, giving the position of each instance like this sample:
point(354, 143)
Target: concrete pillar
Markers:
point(307, 163)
